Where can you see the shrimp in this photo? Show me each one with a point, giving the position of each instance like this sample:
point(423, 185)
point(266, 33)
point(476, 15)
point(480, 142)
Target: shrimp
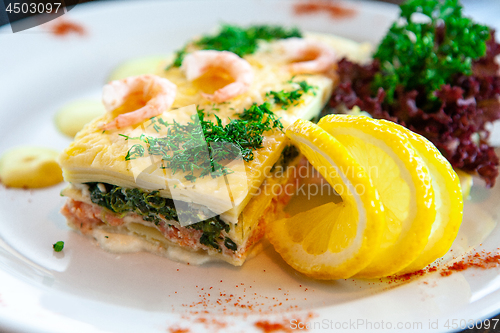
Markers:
point(323, 56)
point(158, 92)
point(198, 63)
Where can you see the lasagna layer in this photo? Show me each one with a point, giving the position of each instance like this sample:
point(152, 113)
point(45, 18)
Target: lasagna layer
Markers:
point(124, 195)
point(197, 243)
point(97, 156)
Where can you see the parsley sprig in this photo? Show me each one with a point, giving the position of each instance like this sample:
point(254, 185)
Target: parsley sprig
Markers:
point(201, 147)
point(425, 55)
point(241, 41)
point(292, 97)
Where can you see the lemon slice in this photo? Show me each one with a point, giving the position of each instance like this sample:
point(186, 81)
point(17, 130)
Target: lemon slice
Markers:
point(448, 201)
point(332, 241)
point(401, 178)
point(466, 182)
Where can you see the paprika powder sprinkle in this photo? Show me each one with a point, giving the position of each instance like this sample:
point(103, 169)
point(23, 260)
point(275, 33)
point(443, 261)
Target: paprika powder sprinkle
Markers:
point(268, 327)
point(178, 330)
point(64, 27)
point(283, 325)
point(333, 8)
point(483, 260)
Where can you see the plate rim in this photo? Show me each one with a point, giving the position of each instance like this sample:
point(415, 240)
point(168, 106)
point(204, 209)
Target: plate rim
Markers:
point(89, 8)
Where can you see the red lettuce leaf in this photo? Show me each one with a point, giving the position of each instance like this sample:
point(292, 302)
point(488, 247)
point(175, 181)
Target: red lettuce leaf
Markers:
point(455, 124)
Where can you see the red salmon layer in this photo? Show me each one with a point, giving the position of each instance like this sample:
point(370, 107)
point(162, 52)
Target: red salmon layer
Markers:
point(85, 217)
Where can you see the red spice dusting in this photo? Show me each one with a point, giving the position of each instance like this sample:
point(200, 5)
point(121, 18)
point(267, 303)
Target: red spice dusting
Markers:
point(219, 311)
point(483, 260)
point(333, 8)
point(282, 325)
point(64, 27)
point(409, 276)
point(238, 304)
point(178, 330)
point(211, 323)
point(267, 326)
point(445, 273)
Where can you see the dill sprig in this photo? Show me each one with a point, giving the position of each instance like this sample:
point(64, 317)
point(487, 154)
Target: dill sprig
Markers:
point(244, 41)
point(201, 147)
point(292, 97)
point(241, 41)
point(179, 56)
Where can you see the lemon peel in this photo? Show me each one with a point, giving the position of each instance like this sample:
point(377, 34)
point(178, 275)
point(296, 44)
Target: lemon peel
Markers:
point(403, 182)
point(332, 241)
point(449, 201)
point(417, 195)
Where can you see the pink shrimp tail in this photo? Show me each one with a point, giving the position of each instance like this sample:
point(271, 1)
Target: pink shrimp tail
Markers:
point(324, 56)
point(231, 90)
point(131, 118)
point(159, 92)
point(199, 62)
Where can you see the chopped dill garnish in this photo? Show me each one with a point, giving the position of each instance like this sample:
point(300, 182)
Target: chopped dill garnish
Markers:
point(179, 56)
point(154, 123)
point(306, 87)
point(244, 41)
point(241, 41)
point(134, 152)
point(200, 147)
point(287, 98)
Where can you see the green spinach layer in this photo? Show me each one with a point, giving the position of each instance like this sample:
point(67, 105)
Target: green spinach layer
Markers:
point(150, 205)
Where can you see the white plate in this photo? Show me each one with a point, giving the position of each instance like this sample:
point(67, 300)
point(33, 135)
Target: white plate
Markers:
point(84, 289)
